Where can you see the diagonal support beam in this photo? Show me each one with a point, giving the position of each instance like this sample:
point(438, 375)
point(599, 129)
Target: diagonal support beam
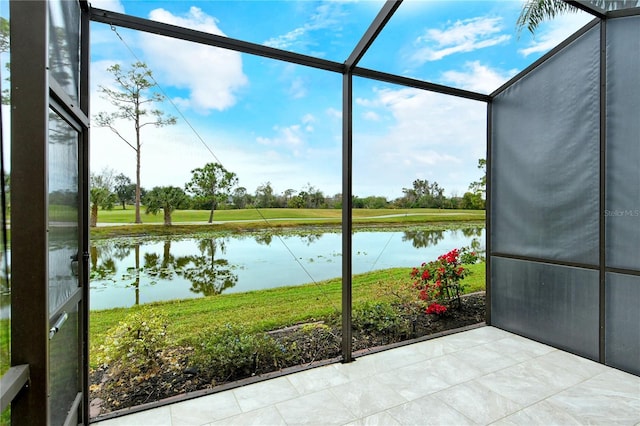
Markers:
point(181, 33)
point(590, 8)
point(372, 32)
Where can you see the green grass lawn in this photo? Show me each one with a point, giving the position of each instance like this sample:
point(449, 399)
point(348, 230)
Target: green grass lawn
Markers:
point(127, 216)
point(5, 343)
point(266, 309)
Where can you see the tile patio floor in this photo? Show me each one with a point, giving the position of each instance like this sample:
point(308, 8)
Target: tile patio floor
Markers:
point(477, 377)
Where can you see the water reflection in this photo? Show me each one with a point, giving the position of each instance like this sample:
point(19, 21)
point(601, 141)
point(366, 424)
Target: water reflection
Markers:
point(163, 267)
point(425, 238)
point(208, 274)
point(264, 238)
point(103, 266)
point(128, 272)
point(308, 238)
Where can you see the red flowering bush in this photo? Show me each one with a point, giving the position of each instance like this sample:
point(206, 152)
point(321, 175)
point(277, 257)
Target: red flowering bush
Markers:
point(439, 282)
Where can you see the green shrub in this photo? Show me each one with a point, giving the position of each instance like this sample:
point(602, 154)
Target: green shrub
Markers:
point(232, 353)
point(136, 343)
point(380, 317)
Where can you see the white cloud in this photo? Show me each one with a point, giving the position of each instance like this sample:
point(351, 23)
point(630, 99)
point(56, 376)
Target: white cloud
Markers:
point(552, 33)
point(308, 120)
point(461, 36)
point(326, 15)
point(371, 116)
point(290, 136)
point(297, 88)
point(212, 76)
point(113, 5)
point(286, 40)
point(434, 137)
point(432, 158)
point(477, 77)
point(334, 113)
point(366, 102)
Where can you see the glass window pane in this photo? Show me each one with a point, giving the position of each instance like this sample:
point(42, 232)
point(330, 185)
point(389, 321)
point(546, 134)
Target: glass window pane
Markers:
point(5, 284)
point(63, 210)
point(64, 45)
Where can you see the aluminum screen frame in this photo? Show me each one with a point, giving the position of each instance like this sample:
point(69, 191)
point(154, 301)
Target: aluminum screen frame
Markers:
point(542, 284)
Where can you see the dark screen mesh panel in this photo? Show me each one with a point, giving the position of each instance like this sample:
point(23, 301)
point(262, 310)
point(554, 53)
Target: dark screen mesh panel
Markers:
point(557, 305)
point(64, 369)
point(622, 213)
point(545, 158)
point(622, 343)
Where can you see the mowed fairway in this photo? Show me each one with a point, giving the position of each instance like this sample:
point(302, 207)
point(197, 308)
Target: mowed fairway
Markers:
point(119, 216)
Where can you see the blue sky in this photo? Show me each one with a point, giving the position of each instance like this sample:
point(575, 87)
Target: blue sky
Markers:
point(269, 121)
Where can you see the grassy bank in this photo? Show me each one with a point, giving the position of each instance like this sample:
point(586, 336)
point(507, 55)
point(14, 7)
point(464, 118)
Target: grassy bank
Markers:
point(265, 309)
point(195, 221)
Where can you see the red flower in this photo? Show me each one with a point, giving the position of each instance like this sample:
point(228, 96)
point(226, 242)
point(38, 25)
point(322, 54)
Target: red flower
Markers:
point(423, 295)
point(436, 309)
point(425, 275)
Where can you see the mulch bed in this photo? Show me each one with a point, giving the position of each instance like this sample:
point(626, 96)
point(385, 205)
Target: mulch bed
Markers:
point(115, 390)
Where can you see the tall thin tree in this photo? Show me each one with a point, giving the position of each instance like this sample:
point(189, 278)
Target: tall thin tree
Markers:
point(131, 96)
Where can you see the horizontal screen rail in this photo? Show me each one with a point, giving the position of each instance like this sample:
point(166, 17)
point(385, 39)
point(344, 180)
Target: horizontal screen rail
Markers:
point(11, 383)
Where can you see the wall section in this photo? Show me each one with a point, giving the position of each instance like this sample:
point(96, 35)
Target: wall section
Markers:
point(565, 240)
point(622, 208)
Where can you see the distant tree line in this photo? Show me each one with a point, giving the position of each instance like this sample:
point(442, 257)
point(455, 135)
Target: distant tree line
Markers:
point(213, 187)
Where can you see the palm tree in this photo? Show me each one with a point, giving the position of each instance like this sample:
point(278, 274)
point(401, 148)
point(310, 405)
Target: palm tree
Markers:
point(167, 199)
point(101, 194)
point(534, 12)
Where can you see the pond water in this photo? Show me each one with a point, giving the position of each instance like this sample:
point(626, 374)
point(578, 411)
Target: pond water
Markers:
point(130, 271)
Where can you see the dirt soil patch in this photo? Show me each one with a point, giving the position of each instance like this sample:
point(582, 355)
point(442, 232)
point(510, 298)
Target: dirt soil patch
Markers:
point(115, 390)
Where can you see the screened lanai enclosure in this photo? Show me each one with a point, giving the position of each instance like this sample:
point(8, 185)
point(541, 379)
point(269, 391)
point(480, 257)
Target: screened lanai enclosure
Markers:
point(561, 140)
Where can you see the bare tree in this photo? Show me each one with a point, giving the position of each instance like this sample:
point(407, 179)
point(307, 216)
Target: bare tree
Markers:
point(131, 96)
